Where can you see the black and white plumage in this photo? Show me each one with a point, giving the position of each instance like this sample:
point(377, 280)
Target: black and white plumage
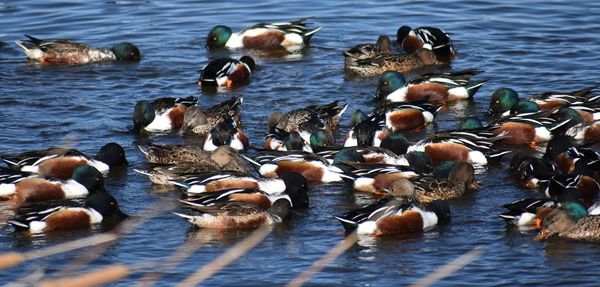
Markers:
point(227, 72)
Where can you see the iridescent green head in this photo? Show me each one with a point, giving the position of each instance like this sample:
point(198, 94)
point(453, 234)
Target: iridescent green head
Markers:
point(126, 52)
point(525, 106)
point(105, 204)
point(112, 154)
point(442, 170)
point(470, 123)
point(502, 100)
point(322, 137)
point(388, 83)
point(357, 117)
point(574, 210)
point(218, 37)
point(89, 177)
point(294, 142)
point(419, 161)
point(396, 143)
point(143, 115)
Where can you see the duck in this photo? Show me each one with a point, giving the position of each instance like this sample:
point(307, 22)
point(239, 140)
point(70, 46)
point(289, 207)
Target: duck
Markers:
point(85, 180)
point(581, 125)
point(581, 188)
point(393, 87)
point(60, 163)
point(370, 132)
point(528, 213)
point(223, 158)
point(98, 207)
point(570, 159)
point(530, 171)
point(383, 46)
point(407, 116)
point(227, 72)
point(312, 117)
point(503, 100)
point(75, 53)
point(265, 36)
point(199, 121)
point(474, 146)
point(430, 38)
point(377, 179)
point(400, 63)
point(564, 220)
point(281, 140)
point(352, 156)
point(312, 166)
point(161, 115)
point(460, 179)
point(235, 215)
point(226, 133)
point(263, 194)
point(389, 215)
point(530, 128)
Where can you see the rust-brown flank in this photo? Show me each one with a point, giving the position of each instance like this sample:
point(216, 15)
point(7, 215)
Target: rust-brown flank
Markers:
point(239, 77)
point(517, 133)
point(257, 199)
point(411, 44)
point(249, 221)
point(408, 222)
point(374, 158)
point(587, 117)
point(224, 184)
point(61, 167)
point(551, 104)
point(242, 137)
point(267, 40)
point(588, 190)
point(38, 189)
point(440, 152)
point(592, 134)
point(306, 169)
point(406, 119)
point(63, 58)
point(565, 164)
point(432, 91)
point(384, 181)
point(176, 116)
point(67, 219)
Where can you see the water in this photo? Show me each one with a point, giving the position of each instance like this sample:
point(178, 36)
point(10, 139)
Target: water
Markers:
point(529, 46)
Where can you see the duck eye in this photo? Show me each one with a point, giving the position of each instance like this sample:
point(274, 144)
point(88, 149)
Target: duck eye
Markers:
point(214, 38)
point(112, 203)
point(385, 83)
point(497, 102)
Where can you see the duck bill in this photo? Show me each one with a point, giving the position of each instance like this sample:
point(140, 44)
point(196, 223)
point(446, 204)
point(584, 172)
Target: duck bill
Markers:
point(120, 215)
point(473, 186)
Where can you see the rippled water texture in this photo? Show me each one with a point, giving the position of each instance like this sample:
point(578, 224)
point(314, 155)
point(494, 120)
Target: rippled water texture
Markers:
point(529, 46)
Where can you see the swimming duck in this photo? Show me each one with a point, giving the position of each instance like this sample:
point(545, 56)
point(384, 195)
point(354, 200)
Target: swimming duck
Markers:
point(317, 116)
point(289, 35)
point(400, 63)
point(236, 215)
point(223, 158)
point(530, 171)
point(59, 163)
point(581, 188)
point(377, 179)
point(392, 216)
point(393, 87)
point(281, 140)
point(98, 207)
point(161, 115)
point(365, 51)
point(85, 180)
point(227, 72)
point(407, 116)
point(71, 52)
point(429, 38)
point(313, 167)
point(199, 121)
point(528, 212)
point(570, 159)
point(369, 132)
point(460, 179)
point(474, 146)
point(265, 192)
point(226, 133)
point(563, 220)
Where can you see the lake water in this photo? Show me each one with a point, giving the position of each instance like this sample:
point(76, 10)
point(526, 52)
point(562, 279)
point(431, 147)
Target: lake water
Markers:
point(527, 45)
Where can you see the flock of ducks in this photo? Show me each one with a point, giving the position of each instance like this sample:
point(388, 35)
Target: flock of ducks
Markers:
point(223, 188)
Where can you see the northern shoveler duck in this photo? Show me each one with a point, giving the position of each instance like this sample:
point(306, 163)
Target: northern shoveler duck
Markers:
point(85, 180)
point(581, 188)
point(407, 116)
point(225, 180)
point(378, 179)
point(460, 179)
point(380, 155)
point(563, 220)
point(98, 207)
point(263, 194)
point(531, 129)
point(570, 159)
point(226, 133)
point(366, 51)
point(473, 146)
point(357, 116)
point(71, 52)
point(227, 72)
point(318, 116)
point(470, 123)
point(60, 163)
point(161, 115)
point(237, 215)
point(530, 171)
point(528, 213)
point(392, 216)
point(283, 141)
point(581, 125)
point(400, 63)
point(313, 167)
point(429, 38)
point(503, 100)
point(199, 121)
point(454, 86)
point(369, 132)
point(289, 35)
point(10, 177)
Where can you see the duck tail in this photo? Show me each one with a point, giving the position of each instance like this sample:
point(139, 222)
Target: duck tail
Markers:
point(348, 224)
point(308, 35)
point(474, 86)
